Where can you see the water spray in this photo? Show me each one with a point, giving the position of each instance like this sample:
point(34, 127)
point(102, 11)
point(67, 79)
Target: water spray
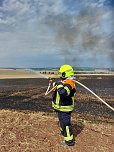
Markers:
point(37, 72)
point(42, 75)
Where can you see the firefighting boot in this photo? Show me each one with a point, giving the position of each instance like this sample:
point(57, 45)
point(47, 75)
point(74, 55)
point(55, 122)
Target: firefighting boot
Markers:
point(70, 142)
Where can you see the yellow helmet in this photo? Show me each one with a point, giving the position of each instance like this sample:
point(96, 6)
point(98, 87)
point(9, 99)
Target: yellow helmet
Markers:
point(66, 71)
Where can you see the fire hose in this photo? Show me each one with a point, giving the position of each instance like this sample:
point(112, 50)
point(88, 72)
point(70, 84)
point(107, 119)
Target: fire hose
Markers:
point(49, 91)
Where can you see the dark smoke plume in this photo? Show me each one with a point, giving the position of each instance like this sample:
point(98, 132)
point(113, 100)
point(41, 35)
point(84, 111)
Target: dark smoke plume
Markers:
point(84, 33)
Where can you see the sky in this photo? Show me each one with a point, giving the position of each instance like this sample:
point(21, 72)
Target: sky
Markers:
point(49, 33)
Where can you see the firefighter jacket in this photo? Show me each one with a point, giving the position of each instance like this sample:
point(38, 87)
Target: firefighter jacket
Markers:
point(63, 96)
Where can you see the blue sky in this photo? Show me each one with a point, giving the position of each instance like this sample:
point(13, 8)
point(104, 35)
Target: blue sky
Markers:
point(48, 33)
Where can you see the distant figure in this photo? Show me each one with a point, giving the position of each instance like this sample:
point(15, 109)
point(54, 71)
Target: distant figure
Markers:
point(63, 102)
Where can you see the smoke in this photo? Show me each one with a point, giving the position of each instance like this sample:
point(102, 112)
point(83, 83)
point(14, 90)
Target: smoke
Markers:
point(87, 32)
point(79, 30)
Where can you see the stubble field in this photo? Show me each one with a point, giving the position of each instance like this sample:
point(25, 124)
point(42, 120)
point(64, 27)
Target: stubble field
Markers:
point(29, 124)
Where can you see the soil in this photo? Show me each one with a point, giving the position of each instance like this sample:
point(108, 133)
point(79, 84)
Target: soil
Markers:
point(29, 124)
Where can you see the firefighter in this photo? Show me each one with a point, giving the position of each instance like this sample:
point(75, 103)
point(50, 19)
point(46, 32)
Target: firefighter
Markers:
point(63, 102)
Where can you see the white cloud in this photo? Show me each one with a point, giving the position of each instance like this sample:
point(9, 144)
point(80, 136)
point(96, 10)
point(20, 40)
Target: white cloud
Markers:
point(12, 5)
point(45, 27)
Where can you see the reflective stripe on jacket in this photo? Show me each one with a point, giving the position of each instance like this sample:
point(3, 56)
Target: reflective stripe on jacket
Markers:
point(63, 96)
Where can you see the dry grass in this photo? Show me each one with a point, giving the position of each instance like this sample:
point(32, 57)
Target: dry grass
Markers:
point(38, 132)
point(22, 73)
point(10, 73)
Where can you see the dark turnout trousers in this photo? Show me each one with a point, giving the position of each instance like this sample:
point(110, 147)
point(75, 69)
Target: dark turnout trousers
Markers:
point(66, 127)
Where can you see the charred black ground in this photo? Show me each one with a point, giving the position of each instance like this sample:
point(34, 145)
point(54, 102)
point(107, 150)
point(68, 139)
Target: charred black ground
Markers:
point(27, 95)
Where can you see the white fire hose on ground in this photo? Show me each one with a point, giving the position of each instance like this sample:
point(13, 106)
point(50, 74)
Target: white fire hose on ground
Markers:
point(49, 91)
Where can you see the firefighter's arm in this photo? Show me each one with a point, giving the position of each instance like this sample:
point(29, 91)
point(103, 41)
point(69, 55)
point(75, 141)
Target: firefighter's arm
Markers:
point(63, 90)
point(53, 84)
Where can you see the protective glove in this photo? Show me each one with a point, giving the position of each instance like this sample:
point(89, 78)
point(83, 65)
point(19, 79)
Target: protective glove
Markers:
point(50, 81)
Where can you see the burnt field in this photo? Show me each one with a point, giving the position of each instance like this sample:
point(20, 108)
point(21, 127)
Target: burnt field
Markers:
point(22, 102)
point(28, 95)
